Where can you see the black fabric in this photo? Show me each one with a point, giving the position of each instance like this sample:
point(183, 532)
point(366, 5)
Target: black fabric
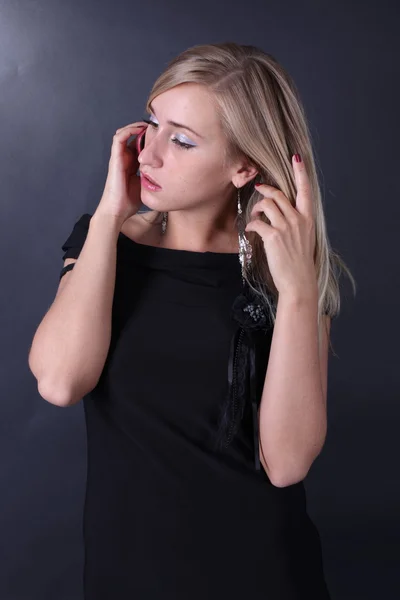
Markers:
point(166, 514)
point(66, 269)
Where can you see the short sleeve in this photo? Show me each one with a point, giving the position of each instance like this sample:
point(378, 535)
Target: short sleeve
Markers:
point(76, 239)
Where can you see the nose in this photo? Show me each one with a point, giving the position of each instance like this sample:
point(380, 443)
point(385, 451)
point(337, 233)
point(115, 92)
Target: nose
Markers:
point(148, 154)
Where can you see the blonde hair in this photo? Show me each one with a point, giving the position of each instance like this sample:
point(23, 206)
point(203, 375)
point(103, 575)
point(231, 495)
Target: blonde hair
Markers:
point(263, 119)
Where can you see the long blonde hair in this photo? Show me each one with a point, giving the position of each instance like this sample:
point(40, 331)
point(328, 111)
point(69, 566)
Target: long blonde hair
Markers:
point(263, 119)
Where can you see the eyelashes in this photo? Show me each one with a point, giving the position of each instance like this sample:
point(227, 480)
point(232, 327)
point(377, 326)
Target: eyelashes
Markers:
point(180, 144)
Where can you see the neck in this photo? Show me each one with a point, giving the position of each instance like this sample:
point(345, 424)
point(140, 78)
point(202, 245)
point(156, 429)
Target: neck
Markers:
point(200, 231)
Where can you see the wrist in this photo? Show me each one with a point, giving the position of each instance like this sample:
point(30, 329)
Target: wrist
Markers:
point(107, 223)
point(299, 297)
point(114, 221)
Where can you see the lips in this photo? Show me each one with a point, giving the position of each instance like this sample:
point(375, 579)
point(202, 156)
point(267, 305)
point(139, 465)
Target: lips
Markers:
point(150, 179)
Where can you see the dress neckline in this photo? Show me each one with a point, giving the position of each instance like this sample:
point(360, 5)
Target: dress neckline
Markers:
point(179, 257)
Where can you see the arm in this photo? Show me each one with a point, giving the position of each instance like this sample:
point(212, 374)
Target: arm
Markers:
point(293, 416)
point(70, 345)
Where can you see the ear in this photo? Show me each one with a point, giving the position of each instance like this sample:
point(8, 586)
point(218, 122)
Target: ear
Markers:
point(245, 173)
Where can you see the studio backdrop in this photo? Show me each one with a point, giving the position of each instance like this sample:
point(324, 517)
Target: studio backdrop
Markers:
point(71, 73)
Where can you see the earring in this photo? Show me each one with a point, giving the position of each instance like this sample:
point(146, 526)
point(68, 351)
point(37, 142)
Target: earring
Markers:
point(245, 248)
point(164, 222)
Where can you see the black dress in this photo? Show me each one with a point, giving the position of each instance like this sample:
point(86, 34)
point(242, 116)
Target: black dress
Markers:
point(167, 516)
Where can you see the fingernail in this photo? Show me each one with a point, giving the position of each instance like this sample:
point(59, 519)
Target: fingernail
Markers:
point(297, 157)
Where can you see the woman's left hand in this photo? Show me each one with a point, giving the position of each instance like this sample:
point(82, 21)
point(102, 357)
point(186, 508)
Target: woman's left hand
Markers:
point(289, 241)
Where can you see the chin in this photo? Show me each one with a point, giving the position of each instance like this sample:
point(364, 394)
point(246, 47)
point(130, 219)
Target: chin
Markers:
point(151, 202)
point(148, 198)
point(155, 201)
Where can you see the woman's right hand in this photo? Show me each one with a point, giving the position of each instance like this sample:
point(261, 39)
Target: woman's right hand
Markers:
point(121, 196)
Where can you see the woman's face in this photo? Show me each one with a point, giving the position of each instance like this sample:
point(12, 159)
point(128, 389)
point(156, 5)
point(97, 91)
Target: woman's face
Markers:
point(192, 175)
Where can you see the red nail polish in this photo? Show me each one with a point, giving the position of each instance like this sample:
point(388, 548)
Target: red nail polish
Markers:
point(297, 157)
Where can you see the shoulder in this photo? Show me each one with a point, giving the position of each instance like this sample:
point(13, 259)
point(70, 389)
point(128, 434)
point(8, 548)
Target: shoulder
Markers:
point(76, 237)
point(140, 227)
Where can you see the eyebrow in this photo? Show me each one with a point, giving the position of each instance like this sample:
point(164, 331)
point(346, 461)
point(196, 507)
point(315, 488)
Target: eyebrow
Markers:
point(174, 124)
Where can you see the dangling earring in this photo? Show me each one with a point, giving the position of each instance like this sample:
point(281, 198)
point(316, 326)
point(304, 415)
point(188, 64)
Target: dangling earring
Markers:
point(164, 222)
point(245, 248)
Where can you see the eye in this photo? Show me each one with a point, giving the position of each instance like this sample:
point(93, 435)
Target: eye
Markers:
point(181, 145)
point(150, 122)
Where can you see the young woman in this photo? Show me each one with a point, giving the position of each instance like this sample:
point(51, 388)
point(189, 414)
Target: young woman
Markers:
point(197, 334)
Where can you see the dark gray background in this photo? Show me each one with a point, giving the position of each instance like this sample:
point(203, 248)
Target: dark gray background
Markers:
point(71, 73)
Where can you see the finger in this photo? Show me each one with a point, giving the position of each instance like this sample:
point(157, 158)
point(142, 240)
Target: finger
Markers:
point(121, 136)
point(138, 141)
point(304, 202)
point(138, 125)
point(263, 229)
point(285, 206)
point(268, 207)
